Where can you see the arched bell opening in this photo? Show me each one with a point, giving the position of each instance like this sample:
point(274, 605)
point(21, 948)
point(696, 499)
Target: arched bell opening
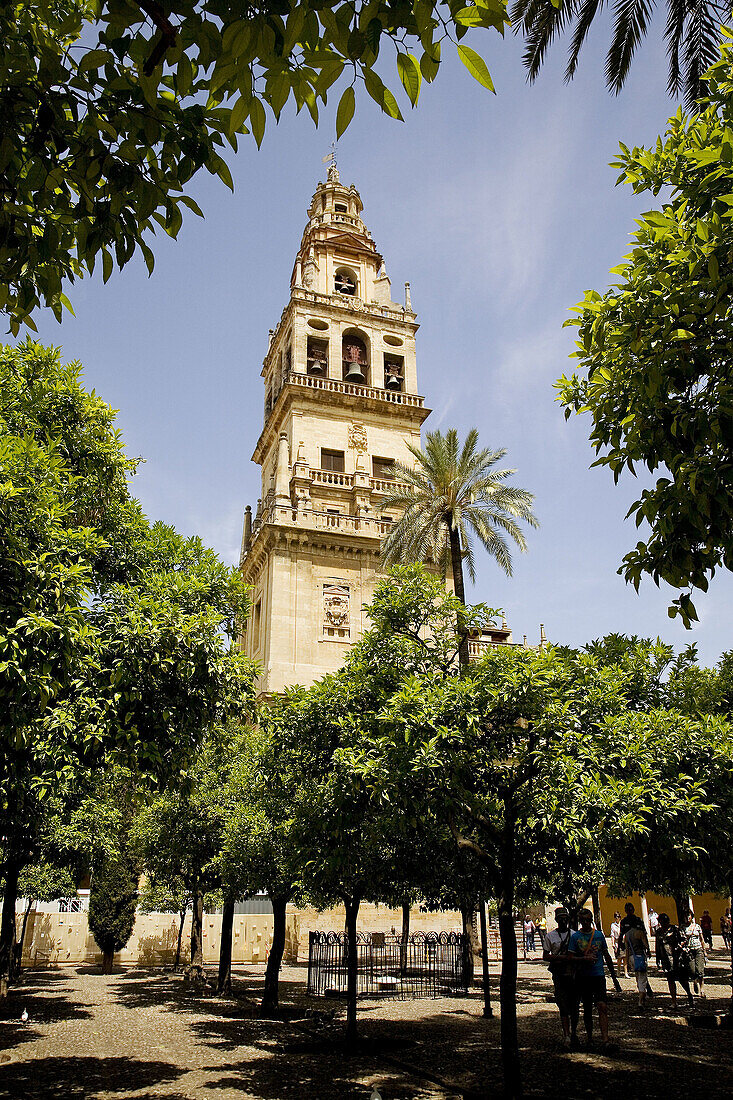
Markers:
point(355, 359)
point(346, 282)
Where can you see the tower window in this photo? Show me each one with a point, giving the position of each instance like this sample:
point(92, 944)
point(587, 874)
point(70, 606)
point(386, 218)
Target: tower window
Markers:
point(383, 468)
point(394, 372)
point(341, 208)
point(332, 461)
point(345, 282)
point(317, 357)
point(355, 361)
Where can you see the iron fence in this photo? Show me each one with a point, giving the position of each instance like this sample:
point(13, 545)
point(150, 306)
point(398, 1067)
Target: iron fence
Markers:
point(430, 964)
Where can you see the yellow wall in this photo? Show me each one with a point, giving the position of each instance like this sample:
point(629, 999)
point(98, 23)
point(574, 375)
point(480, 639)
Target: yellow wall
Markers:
point(715, 903)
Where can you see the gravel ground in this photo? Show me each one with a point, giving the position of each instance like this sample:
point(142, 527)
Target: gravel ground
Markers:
point(142, 1034)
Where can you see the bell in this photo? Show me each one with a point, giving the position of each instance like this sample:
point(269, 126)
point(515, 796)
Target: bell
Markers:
point(355, 373)
point(392, 382)
point(316, 367)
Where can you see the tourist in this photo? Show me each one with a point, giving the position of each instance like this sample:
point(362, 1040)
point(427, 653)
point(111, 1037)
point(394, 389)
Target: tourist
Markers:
point(590, 949)
point(556, 952)
point(725, 929)
point(672, 958)
point(629, 921)
point(706, 923)
point(615, 934)
point(637, 951)
point(542, 930)
point(695, 944)
point(529, 930)
point(653, 921)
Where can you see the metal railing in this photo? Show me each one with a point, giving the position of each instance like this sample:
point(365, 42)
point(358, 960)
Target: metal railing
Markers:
point(431, 964)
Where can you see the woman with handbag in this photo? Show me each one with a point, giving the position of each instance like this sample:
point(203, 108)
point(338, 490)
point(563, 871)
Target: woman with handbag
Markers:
point(672, 958)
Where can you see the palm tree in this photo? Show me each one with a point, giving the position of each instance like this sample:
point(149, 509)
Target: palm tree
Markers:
point(445, 499)
point(692, 30)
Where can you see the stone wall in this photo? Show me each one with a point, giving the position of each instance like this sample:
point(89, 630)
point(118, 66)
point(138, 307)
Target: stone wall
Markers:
point(65, 938)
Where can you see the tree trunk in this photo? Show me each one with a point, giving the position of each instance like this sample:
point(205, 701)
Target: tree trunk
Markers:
point(456, 560)
point(195, 971)
point(224, 981)
point(272, 974)
point(177, 963)
point(18, 950)
point(468, 968)
point(508, 981)
point(682, 905)
point(596, 901)
point(7, 923)
point(352, 962)
point(108, 961)
point(730, 942)
point(405, 936)
point(488, 1011)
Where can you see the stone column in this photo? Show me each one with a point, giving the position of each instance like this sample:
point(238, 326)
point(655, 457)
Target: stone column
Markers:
point(282, 478)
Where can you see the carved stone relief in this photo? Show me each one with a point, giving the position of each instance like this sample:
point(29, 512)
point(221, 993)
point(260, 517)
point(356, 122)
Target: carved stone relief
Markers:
point(358, 438)
point(336, 600)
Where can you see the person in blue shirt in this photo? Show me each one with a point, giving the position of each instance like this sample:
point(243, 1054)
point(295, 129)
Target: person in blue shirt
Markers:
point(589, 946)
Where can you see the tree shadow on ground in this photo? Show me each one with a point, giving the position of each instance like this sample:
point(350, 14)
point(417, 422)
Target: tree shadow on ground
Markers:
point(82, 1077)
point(44, 998)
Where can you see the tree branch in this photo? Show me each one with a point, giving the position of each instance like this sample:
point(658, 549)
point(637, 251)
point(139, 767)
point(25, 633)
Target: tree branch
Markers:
point(167, 33)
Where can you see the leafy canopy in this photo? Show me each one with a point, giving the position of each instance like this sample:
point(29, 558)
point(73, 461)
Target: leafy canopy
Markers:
point(110, 107)
point(656, 351)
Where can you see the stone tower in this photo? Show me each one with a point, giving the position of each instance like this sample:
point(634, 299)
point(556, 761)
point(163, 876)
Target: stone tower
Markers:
point(341, 403)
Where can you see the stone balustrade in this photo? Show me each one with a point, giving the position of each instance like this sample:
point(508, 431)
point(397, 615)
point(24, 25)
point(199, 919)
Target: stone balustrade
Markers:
point(332, 385)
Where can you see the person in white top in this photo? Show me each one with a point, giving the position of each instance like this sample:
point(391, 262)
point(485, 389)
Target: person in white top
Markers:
point(653, 921)
point(695, 945)
point(562, 968)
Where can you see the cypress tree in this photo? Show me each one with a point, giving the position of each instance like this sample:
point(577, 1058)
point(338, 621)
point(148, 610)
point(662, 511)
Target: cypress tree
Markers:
point(112, 904)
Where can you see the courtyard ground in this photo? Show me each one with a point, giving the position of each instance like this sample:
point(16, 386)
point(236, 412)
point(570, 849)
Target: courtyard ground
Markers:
point(141, 1034)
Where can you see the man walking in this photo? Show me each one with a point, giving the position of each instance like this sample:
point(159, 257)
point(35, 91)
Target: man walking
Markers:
point(556, 952)
point(589, 947)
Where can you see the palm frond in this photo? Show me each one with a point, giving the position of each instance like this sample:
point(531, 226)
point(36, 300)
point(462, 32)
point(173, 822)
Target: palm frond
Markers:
point(630, 27)
point(454, 486)
point(541, 22)
point(674, 33)
point(586, 14)
point(702, 47)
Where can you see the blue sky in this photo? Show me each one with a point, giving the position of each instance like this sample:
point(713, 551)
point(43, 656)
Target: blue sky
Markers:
point(500, 211)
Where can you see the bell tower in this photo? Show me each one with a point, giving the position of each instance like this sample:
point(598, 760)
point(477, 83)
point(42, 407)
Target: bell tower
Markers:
point(341, 403)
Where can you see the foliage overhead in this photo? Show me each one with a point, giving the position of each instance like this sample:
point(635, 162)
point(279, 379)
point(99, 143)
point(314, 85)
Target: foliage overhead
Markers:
point(692, 36)
point(110, 107)
point(656, 351)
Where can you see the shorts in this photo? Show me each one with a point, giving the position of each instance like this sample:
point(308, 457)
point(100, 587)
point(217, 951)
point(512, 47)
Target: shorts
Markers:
point(566, 993)
point(591, 987)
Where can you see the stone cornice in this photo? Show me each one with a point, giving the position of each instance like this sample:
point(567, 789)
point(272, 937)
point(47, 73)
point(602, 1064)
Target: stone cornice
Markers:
point(342, 395)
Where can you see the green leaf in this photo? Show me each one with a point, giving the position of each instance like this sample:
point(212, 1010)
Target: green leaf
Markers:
point(107, 265)
point(345, 111)
point(240, 111)
point(257, 120)
point(410, 75)
point(476, 66)
point(94, 59)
